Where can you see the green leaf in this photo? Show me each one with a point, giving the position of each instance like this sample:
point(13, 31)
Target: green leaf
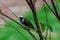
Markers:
point(43, 26)
point(58, 0)
point(49, 27)
point(35, 0)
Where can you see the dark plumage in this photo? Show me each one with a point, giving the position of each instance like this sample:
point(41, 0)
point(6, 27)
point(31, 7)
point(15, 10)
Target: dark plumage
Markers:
point(26, 22)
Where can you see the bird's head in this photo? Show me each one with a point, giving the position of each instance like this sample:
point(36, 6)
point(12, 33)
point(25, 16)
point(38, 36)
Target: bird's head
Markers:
point(21, 18)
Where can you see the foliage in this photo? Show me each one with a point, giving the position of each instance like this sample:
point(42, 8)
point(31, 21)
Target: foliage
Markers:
point(8, 33)
point(58, 0)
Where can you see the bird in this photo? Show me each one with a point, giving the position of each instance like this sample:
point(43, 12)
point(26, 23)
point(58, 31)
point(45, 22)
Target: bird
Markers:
point(26, 22)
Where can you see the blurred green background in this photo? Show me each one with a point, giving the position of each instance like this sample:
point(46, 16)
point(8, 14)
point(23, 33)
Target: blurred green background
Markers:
point(9, 33)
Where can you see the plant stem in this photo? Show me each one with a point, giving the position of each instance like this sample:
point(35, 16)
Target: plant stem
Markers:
point(10, 18)
point(37, 25)
point(32, 35)
point(48, 6)
point(32, 6)
point(13, 27)
point(9, 10)
point(57, 5)
point(36, 21)
point(58, 16)
point(17, 23)
point(50, 35)
point(52, 1)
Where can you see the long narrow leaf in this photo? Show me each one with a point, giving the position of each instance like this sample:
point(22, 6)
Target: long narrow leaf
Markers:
point(49, 27)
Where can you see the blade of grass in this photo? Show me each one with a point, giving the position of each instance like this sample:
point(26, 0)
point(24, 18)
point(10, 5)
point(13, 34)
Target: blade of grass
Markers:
point(46, 20)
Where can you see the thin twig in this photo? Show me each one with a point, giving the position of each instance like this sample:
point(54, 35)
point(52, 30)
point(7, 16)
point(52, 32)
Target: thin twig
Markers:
point(48, 6)
point(57, 5)
point(16, 22)
point(52, 1)
point(58, 16)
point(28, 2)
point(32, 35)
point(10, 18)
point(13, 27)
point(9, 10)
point(36, 19)
point(50, 35)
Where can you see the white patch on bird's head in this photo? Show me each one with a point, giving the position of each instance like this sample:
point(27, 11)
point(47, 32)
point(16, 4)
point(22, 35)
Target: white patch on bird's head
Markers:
point(20, 16)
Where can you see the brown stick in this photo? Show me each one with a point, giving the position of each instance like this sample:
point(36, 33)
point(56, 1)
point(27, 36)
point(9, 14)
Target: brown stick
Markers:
point(36, 19)
point(17, 23)
point(32, 35)
point(13, 27)
point(9, 10)
point(58, 16)
point(10, 18)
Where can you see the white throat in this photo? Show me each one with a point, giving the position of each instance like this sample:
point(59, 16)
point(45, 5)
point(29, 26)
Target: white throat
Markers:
point(22, 20)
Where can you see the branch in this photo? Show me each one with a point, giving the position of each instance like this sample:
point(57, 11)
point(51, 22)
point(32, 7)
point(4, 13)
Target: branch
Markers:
point(10, 18)
point(32, 35)
point(57, 15)
point(52, 10)
point(14, 27)
point(52, 1)
point(9, 10)
point(50, 35)
point(17, 23)
point(48, 6)
point(36, 19)
point(57, 5)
